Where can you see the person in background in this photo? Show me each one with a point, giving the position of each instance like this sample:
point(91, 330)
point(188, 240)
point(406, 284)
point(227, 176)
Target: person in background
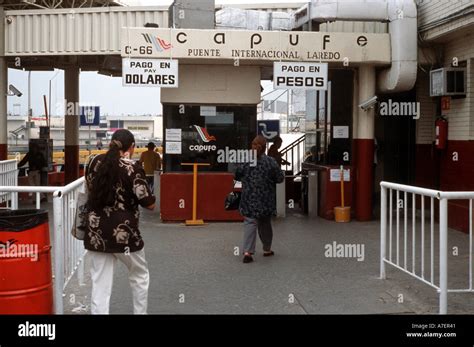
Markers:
point(36, 164)
point(310, 161)
point(151, 161)
point(99, 144)
point(117, 187)
point(258, 201)
point(275, 153)
point(313, 156)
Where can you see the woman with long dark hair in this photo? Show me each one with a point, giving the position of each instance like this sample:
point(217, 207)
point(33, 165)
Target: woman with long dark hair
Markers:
point(117, 187)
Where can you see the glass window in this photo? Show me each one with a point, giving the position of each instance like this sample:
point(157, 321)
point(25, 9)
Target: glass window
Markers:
point(202, 136)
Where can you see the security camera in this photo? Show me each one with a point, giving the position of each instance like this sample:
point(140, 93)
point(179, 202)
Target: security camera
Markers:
point(13, 91)
point(368, 104)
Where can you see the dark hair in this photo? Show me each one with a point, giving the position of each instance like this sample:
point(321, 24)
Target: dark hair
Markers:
point(151, 145)
point(102, 192)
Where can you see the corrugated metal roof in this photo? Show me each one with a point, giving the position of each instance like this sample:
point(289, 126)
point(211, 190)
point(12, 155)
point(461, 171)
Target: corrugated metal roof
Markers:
point(74, 31)
point(53, 4)
point(354, 27)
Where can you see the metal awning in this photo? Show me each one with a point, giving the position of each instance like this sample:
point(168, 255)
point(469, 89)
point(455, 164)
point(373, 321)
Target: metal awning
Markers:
point(55, 4)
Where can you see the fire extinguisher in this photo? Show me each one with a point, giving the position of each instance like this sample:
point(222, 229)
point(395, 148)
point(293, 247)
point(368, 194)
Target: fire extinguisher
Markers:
point(441, 126)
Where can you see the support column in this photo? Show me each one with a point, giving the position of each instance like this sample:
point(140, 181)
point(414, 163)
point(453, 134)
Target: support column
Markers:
point(71, 124)
point(364, 146)
point(3, 91)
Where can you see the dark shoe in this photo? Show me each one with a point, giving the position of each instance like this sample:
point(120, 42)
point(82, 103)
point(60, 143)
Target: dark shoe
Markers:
point(268, 254)
point(247, 259)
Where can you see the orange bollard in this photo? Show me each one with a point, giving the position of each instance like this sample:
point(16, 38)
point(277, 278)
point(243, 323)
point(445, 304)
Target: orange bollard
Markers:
point(194, 220)
point(342, 213)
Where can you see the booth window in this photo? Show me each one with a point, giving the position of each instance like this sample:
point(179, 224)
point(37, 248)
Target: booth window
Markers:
point(233, 127)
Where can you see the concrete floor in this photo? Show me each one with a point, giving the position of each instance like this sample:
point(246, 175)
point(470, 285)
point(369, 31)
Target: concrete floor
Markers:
point(198, 264)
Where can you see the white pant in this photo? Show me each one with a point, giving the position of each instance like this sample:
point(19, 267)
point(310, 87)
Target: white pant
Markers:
point(102, 273)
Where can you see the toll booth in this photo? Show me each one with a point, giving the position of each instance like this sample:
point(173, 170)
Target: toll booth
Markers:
point(218, 90)
point(212, 114)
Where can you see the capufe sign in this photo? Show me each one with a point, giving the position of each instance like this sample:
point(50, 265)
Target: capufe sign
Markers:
point(267, 46)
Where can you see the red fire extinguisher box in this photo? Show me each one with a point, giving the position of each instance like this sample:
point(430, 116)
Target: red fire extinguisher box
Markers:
point(330, 189)
point(441, 132)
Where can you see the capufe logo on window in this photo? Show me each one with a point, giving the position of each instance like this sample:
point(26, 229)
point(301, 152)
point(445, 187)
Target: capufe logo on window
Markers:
point(205, 138)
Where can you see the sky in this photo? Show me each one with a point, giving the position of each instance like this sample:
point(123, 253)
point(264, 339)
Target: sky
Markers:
point(96, 89)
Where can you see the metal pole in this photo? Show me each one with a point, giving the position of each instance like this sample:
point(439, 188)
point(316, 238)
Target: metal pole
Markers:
point(3, 90)
point(58, 257)
point(50, 112)
point(443, 256)
point(288, 112)
point(195, 171)
point(313, 178)
point(383, 230)
point(71, 125)
point(3, 107)
point(51, 79)
point(157, 188)
point(80, 267)
point(28, 124)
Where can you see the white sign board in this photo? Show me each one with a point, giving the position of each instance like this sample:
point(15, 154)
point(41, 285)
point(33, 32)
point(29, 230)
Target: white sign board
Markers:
point(150, 73)
point(256, 45)
point(300, 76)
point(173, 147)
point(340, 132)
point(335, 175)
point(173, 135)
point(208, 111)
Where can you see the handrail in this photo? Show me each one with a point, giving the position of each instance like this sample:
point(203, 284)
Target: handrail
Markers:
point(68, 252)
point(394, 239)
point(296, 149)
point(8, 161)
point(411, 189)
point(293, 144)
point(70, 187)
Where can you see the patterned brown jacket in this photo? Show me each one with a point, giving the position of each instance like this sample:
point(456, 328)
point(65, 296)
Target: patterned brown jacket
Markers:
point(114, 229)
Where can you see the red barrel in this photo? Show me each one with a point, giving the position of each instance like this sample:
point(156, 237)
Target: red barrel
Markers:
point(26, 285)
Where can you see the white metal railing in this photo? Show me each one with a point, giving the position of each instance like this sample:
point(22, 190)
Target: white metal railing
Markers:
point(294, 154)
point(8, 177)
point(418, 268)
point(68, 252)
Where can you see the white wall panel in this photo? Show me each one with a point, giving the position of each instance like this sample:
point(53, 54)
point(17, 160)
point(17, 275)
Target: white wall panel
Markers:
point(78, 31)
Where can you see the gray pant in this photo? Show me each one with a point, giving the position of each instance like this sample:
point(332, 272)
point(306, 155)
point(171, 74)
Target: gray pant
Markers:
point(265, 232)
